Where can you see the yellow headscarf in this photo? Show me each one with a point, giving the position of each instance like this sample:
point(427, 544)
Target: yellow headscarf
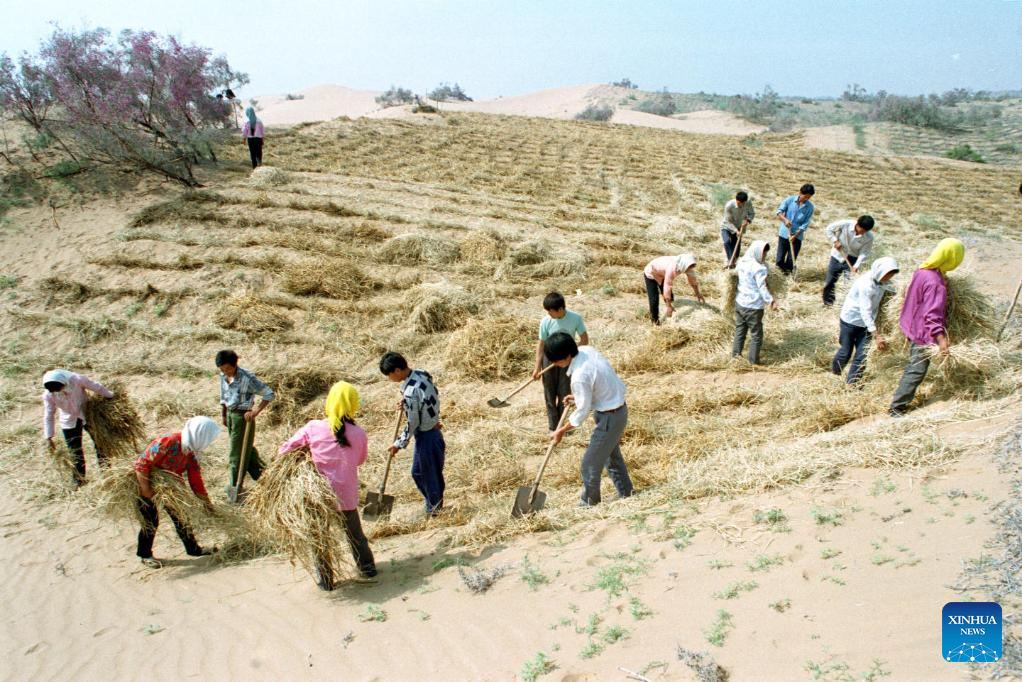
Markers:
point(947, 256)
point(342, 402)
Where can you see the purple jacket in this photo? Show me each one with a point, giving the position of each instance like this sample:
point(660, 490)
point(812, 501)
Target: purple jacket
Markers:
point(923, 315)
point(246, 130)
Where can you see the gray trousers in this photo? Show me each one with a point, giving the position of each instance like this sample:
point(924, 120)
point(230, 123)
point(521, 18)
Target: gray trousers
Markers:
point(915, 372)
point(556, 385)
point(604, 452)
point(748, 321)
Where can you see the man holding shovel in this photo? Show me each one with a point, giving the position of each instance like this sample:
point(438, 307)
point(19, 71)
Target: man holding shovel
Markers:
point(595, 387)
point(238, 388)
point(555, 381)
point(738, 215)
point(795, 214)
point(421, 403)
point(852, 240)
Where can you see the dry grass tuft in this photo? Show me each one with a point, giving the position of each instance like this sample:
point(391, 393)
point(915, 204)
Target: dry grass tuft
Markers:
point(330, 278)
point(967, 368)
point(442, 307)
point(530, 253)
point(65, 290)
point(970, 315)
point(652, 354)
point(268, 176)
point(296, 388)
point(114, 424)
point(246, 312)
point(484, 246)
point(414, 248)
point(296, 509)
point(115, 495)
point(497, 348)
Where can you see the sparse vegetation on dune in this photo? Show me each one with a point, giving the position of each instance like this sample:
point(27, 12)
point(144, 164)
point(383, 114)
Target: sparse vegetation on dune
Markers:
point(440, 241)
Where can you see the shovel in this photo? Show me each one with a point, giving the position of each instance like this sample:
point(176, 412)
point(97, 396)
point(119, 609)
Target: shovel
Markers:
point(497, 402)
point(794, 258)
point(380, 504)
point(530, 499)
point(234, 492)
point(738, 247)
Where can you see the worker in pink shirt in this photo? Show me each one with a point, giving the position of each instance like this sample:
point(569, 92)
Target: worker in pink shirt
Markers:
point(338, 447)
point(65, 396)
point(659, 278)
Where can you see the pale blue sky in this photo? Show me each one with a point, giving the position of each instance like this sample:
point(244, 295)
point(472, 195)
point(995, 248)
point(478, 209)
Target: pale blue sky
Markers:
point(516, 46)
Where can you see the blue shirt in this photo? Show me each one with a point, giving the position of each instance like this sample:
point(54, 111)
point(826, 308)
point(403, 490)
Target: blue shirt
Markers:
point(800, 216)
point(239, 394)
point(571, 324)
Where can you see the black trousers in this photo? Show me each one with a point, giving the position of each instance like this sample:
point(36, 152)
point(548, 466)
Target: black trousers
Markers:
point(73, 439)
point(360, 550)
point(731, 245)
point(255, 150)
point(151, 521)
point(653, 292)
point(556, 386)
point(835, 268)
point(785, 261)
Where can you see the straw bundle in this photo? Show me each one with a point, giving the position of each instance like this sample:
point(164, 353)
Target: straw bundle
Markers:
point(297, 510)
point(530, 253)
point(414, 248)
point(268, 176)
point(60, 457)
point(497, 348)
point(966, 368)
point(116, 494)
point(295, 389)
point(442, 308)
point(331, 278)
point(114, 424)
point(484, 246)
point(970, 314)
point(727, 282)
point(249, 313)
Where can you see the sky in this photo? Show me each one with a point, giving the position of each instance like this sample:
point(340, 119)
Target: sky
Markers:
point(513, 47)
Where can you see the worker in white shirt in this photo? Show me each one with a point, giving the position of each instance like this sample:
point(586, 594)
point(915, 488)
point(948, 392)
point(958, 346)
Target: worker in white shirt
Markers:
point(594, 388)
point(858, 318)
point(852, 240)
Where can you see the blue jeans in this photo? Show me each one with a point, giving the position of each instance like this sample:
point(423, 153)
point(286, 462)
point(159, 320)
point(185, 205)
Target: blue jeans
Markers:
point(835, 268)
point(785, 258)
point(853, 338)
point(428, 467)
point(731, 244)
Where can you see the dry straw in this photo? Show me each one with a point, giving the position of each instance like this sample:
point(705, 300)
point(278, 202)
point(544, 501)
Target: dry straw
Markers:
point(484, 246)
point(114, 424)
point(442, 307)
point(497, 348)
point(333, 278)
point(268, 176)
point(296, 509)
point(414, 248)
point(249, 313)
point(727, 281)
point(116, 495)
point(298, 390)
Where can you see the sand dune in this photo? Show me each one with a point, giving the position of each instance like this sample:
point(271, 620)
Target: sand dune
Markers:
point(326, 102)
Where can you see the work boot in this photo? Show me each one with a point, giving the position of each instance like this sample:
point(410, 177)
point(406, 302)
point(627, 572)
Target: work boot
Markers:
point(150, 562)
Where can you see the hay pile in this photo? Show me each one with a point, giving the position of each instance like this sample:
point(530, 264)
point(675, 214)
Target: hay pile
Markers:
point(967, 368)
point(299, 391)
point(652, 354)
point(334, 278)
point(727, 282)
point(114, 424)
point(442, 307)
point(970, 315)
point(268, 176)
point(296, 509)
point(484, 246)
point(530, 253)
point(248, 313)
point(498, 348)
point(413, 248)
point(65, 290)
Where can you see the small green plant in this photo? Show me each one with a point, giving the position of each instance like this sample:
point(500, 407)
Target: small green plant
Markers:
point(595, 112)
point(879, 559)
point(590, 649)
point(448, 561)
point(609, 290)
point(540, 665)
point(882, 486)
point(718, 631)
point(373, 613)
point(721, 193)
point(612, 579)
point(160, 309)
point(1009, 148)
point(152, 629)
point(829, 553)
point(774, 517)
point(833, 579)
point(781, 605)
point(532, 576)
point(8, 281)
point(735, 589)
point(683, 536)
point(860, 136)
point(964, 152)
point(718, 564)
point(764, 562)
point(639, 610)
point(827, 517)
point(614, 633)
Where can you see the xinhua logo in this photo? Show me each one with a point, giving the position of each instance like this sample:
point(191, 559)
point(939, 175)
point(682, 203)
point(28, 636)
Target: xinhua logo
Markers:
point(971, 632)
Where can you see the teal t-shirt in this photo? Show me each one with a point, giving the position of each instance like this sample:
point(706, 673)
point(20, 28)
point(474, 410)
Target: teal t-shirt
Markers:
point(570, 324)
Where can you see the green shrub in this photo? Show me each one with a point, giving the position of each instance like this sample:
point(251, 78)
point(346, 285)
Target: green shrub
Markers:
point(595, 113)
point(964, 152)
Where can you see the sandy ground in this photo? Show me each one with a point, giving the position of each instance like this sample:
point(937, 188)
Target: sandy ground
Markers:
point(325, 102)
point(78, 605)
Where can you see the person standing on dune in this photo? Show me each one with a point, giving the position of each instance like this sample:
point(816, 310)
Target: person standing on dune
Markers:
point(252, 134)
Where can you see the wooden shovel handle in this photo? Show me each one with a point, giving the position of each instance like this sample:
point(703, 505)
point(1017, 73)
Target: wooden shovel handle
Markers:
point(244, 454)
point(397, 430)
point(738, 247)
point(550, 449)
point(1011, 309)
point(526, 384)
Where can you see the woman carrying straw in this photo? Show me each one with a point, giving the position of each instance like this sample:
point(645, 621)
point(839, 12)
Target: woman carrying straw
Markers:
point(923, 318)
point(252, 133)
point(659, 278)
point(338, 448)
point(178, 454)
point(65, 394)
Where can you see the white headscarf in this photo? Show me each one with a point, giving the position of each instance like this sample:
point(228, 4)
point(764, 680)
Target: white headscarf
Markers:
point(198, 433)
point(684, 262)
point(881, 266)
point(756, 251)
point(59, 375)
